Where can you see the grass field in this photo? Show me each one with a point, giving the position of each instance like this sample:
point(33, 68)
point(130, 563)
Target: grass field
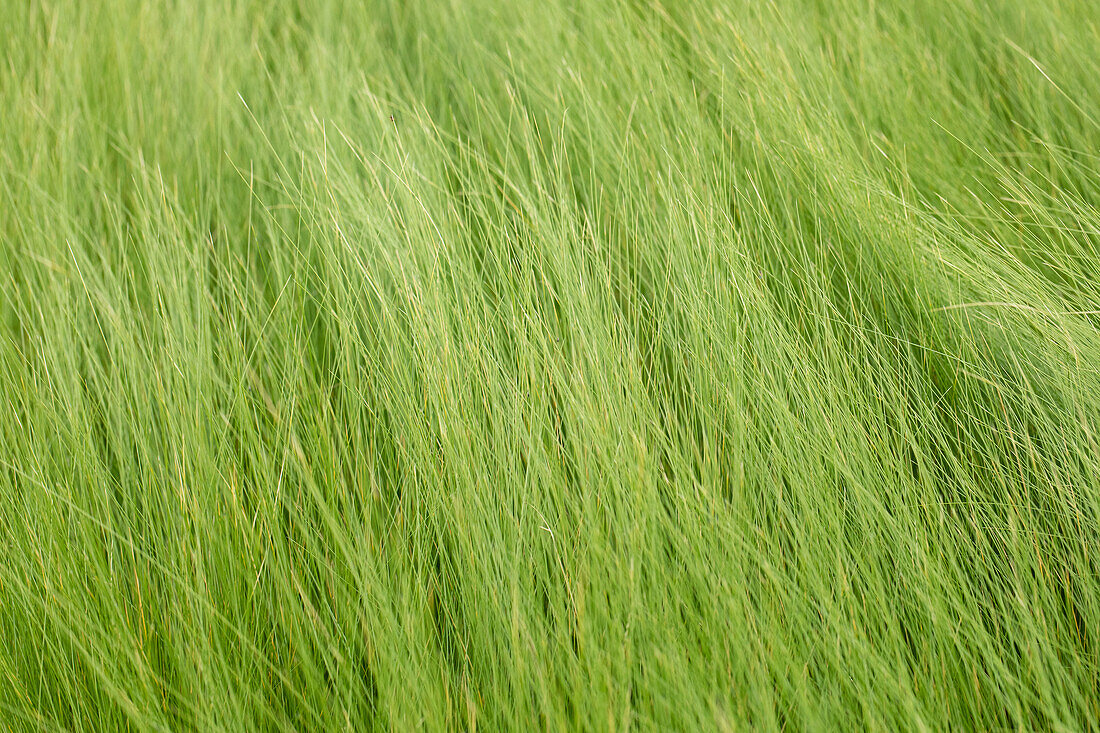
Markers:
point(549, 364)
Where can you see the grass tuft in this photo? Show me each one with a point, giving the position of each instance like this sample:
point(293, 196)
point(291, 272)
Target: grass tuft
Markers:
point(571, 364)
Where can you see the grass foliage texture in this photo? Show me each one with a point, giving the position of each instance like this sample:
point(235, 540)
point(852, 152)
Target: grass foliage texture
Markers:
point(549, 365)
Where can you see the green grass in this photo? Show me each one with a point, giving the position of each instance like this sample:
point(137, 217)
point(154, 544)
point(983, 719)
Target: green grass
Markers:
point(549, 364)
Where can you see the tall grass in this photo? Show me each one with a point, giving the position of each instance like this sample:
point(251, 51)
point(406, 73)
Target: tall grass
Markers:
point(571, 364)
